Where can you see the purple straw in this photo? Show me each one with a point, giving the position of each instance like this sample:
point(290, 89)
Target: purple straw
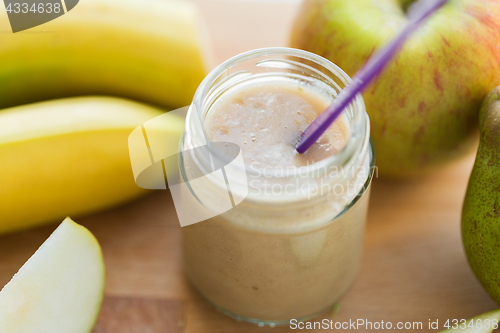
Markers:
point(417, 14)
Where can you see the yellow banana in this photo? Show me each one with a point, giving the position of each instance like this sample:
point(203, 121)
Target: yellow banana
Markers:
point(152, 51)
point(69, 157)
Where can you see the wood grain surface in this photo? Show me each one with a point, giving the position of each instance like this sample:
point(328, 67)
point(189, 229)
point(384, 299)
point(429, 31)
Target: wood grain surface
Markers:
point(414, 267)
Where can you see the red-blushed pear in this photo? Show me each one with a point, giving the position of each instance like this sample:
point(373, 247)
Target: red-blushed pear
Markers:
point(424, 106)
point(59, 289)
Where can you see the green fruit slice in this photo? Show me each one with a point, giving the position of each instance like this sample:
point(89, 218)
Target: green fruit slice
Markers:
point(59, 289)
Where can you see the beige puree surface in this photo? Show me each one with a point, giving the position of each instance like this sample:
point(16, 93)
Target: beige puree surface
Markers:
point(266, 121)
point(280, 273)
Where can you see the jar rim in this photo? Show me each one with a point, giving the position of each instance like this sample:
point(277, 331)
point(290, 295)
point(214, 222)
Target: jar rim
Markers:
point(357, 144)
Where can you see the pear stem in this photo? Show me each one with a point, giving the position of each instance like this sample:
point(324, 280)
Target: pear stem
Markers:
point(417, 14)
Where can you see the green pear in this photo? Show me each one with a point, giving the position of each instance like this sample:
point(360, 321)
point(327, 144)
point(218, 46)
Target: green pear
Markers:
point(59, 289)
point(481, 209)
point(423, 107)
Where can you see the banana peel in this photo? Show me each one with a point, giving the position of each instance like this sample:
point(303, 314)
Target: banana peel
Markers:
point(69, 157)
point(154, 51)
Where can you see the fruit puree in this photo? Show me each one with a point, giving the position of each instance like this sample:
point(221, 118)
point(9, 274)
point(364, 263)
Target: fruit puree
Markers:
point(271, 262)
point(266, 121)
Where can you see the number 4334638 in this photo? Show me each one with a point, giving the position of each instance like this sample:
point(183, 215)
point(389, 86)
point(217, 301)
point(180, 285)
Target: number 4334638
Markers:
point(477, 324)
point(35, 8)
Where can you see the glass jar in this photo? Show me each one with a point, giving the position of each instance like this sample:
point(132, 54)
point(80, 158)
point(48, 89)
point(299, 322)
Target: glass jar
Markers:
point(279, 255)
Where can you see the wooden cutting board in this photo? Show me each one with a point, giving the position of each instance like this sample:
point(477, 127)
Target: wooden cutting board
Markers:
point(414, 268)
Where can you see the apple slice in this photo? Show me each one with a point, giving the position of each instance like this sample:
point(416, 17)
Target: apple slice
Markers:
point(484, 323)
point(59, 289)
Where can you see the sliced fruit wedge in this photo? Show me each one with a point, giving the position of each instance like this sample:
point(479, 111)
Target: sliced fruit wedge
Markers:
point(59, 289)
